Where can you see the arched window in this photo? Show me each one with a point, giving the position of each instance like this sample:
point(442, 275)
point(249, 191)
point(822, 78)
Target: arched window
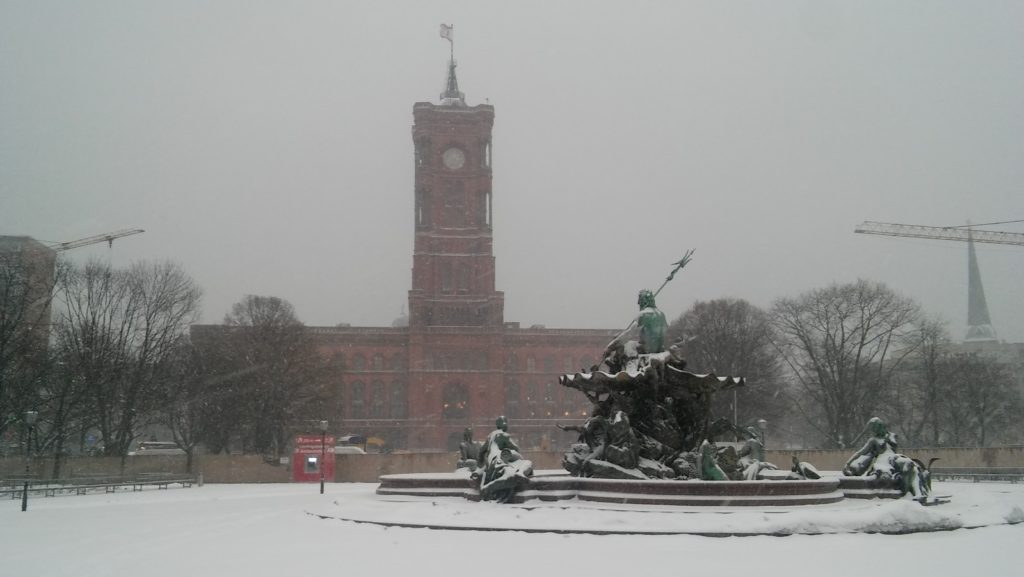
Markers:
point(455, 401)
point(513, 362)
point(397, 362)
point(549, 364)
point(378, 362)
point(447, 280)
point(377, 400)
point(399, 400)
point(358, 362)
point(512, 400)
point(358, 395)
point(531, 364)
point(422, 209)
point(567, 365)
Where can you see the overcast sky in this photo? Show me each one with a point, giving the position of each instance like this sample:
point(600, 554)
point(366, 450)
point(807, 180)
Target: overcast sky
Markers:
point(266, 146)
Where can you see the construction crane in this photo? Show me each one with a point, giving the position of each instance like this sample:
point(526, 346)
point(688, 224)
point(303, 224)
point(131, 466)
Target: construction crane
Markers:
point(979, 323)
point(108, 238)
point(961, 233)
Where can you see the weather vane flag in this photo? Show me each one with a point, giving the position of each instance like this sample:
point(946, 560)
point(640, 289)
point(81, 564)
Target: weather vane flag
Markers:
point(448, 33)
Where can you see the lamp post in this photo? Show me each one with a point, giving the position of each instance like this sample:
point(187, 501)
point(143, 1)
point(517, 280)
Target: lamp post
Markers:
point(323, 452)
point(30, 423)
point(762, 425)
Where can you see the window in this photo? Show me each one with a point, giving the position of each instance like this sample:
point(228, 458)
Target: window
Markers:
point(377, 400)
point(358, 395)
point(447, 282)
point(422, 209)
point(399, 400)
point(549, 364)
point(455, 401)
point(397, 362)
point(358, 362)
point(512, 400)
point(531, 364)
point(513, 362)
point(378, 362)
point(485, 209)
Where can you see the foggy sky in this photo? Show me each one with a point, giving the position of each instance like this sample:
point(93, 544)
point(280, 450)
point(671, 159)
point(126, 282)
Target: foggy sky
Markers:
point(266, 146)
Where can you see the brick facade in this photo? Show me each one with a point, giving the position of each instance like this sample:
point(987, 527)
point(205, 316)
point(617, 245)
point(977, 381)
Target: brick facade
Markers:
point(457, 363)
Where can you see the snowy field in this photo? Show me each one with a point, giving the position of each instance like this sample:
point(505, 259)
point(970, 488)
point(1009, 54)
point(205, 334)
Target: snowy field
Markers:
point(283, 530)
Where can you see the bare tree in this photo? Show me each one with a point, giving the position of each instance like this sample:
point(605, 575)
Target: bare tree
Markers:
point(273, 371)
point(980, 403)
point(733, 337)
point(920, 386)
point(118, 332)
point(842, 344)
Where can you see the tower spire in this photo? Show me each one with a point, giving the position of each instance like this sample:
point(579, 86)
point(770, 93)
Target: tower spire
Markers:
point(451, 95)
point(979, 325)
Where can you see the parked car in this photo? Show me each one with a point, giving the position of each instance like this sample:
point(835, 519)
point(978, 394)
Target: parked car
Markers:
point(156, 448)
point(348, 450)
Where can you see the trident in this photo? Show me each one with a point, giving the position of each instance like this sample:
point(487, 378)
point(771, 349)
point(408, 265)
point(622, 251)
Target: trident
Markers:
point(678, 267)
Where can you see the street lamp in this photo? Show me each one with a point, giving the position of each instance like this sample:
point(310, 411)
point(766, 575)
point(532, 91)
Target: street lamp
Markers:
point(763, 426)
point(30, 422)
point(323, 452)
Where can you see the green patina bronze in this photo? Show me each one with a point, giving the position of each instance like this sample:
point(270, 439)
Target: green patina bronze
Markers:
point(878, 458)
point(504, 468)
point(709, 469)
point(652, 323)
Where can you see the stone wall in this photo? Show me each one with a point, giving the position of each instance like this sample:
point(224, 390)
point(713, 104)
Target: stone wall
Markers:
point(834, 459)
point(367, 468)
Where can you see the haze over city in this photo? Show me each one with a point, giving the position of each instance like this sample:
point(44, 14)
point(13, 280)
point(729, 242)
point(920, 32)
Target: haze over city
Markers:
point(265, 146)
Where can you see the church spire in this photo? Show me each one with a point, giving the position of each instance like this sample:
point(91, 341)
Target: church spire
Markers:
point(451, 95)
point(979, 325)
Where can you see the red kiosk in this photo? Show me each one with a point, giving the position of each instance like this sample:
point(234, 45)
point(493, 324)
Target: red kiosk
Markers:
point(311, 454)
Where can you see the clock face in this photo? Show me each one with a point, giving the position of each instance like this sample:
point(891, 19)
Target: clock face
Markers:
point(454, 158)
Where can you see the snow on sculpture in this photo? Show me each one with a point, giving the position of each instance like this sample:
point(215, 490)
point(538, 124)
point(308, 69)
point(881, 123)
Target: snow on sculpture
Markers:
point(503, 468)
point(878, 458)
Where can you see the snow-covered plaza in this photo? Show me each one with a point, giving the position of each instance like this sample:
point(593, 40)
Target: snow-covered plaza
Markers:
point(275, 530)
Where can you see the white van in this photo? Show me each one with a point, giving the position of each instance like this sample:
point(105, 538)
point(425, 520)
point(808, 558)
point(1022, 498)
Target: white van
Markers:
point(156, 448)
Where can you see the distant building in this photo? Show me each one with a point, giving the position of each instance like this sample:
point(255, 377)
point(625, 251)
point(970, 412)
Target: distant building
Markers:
point(26, 289)
point(454, 362)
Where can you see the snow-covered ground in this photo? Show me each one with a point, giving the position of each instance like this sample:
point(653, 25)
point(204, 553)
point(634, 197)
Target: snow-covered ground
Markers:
point(281, 530)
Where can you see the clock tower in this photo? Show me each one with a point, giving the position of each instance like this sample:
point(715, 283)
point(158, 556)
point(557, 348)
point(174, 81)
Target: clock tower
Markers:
point(453, 260)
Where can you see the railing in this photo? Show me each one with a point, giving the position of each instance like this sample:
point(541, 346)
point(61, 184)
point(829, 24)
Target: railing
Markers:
point(83, 485)
point(978, 474)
